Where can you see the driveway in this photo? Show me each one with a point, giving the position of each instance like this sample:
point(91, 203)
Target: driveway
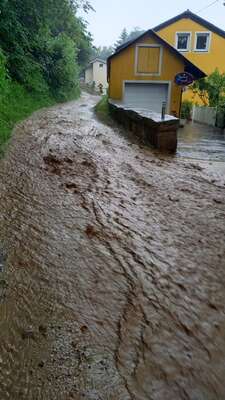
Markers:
point(111, 266)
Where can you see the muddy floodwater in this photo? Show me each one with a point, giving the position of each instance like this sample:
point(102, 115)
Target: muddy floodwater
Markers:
point(112, 269)
point(201, 142)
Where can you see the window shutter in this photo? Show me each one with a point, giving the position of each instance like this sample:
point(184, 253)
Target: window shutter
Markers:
point(148, 60)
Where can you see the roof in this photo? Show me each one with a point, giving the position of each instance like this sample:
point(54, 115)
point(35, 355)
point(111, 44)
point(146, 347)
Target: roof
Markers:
point(97, 60)
point(194, 17)
point(124, 44)
point(186, 14)
point(189, 66)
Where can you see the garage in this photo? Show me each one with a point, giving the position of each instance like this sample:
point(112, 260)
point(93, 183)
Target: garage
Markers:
point(147, 96)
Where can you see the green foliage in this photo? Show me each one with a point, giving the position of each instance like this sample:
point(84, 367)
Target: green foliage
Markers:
point(27, 29)
point(102, 110)
point(126, 37)
point(220, 116)
point(16, 105)
point(43, 46)
point(123, 38)
point(135, 32)
point(186, 109)
point(62, 69)
point(3, 75)
point(106, 51)
point(211, 90)
point(216, 88)
point(102, 52)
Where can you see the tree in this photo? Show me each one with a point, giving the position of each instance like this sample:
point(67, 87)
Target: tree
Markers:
point(135, 32)
point(211, 90)
point(126, 37)
point(3, 75)
point(102, 52)
point(122, 38)
point(105, 51)
point(32, 36)
point(84, 4)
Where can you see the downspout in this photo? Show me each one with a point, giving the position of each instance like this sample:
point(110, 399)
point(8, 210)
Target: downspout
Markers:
point(108, 74)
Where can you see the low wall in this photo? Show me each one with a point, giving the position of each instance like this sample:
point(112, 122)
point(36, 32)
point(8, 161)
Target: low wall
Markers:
point(204, 115)
point(162, 134)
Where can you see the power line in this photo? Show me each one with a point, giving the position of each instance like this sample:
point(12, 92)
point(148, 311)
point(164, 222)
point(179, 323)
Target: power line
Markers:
point(206, 7)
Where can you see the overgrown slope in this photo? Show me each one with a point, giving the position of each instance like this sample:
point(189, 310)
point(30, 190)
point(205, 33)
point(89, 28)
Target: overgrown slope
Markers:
point(43, 46)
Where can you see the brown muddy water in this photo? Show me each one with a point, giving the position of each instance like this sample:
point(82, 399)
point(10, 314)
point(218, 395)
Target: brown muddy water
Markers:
point(112, 271)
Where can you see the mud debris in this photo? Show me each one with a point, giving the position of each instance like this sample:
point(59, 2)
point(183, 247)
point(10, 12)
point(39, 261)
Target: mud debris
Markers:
point(113, 289)
point(41, 364)
point(2, 259)
point(218, 200)
point(90, 231)
point(43, 330)
point(28, 334)
point(84, 329)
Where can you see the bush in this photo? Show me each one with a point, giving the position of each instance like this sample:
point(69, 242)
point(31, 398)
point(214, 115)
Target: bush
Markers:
point(16, 105)
point(33, 79)
point(62, 69)
point(3, 75)
point(186, 109)
point(211, 90)
point(102, 110)
point(41, 42)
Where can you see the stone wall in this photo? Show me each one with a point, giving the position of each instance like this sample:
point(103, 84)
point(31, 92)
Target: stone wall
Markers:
point(161, 134)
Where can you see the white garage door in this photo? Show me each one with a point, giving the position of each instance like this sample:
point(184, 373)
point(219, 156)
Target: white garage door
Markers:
point(147, 96)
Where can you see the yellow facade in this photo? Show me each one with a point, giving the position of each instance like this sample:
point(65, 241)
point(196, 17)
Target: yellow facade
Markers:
point(122, 68)
point(206, 61)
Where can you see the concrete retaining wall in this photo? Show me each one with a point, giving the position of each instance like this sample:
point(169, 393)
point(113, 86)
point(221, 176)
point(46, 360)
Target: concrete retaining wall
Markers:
point(148, 126)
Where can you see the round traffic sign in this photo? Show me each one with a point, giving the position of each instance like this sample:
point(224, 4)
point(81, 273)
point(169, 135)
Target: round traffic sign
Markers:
point(184, 79)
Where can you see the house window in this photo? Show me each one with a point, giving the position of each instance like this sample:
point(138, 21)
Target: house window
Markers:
point(183, 40)
point(148, 59)
point(202, 40)
point(100, 65)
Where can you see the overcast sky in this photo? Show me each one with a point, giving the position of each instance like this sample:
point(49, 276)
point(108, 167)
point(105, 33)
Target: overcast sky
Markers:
point(112, 16)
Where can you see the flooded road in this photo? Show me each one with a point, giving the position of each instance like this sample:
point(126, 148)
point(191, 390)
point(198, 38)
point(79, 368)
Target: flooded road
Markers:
point(201, 142)
point(111, 266)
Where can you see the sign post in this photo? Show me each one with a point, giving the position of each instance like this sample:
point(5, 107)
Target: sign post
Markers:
point(183, 79)
point(163, 110)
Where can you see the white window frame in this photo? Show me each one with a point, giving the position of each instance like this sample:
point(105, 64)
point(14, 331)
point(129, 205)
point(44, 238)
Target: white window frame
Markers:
point(189, 41)
point(169, 83)
point(208, 42)
point(136, 60)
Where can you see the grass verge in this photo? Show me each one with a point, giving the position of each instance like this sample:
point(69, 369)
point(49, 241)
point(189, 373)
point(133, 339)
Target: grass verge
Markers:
point(102, 110)
point(18, 104)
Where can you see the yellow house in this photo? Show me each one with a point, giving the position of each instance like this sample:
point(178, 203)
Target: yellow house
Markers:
point(141, 74)
point(197, 39)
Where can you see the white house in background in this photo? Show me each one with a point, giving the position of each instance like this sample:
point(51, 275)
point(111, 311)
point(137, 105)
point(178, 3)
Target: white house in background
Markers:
point(96, 73)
